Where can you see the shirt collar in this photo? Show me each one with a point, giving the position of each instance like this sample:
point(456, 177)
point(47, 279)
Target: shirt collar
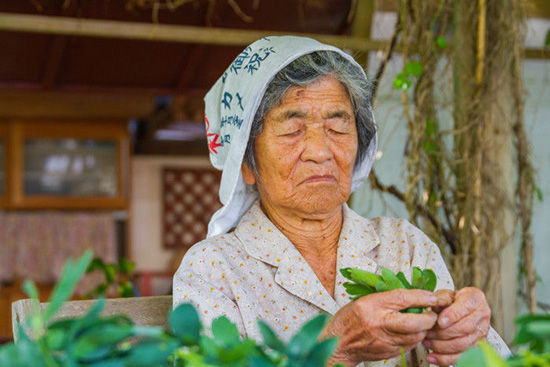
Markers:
point(265, 242)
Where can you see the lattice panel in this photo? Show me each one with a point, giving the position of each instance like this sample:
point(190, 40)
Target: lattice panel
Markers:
point(190, 197)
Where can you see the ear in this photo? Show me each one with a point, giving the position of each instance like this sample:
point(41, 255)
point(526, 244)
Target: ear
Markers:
point(248, 174)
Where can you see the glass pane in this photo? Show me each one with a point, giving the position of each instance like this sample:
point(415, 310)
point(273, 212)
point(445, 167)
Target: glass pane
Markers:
point(2, 167)
point(70, 167)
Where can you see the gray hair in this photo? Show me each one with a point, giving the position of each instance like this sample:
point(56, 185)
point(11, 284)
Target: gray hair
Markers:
point(304, 71)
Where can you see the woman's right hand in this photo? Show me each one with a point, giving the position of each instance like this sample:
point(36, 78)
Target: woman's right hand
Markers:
point(372, 328)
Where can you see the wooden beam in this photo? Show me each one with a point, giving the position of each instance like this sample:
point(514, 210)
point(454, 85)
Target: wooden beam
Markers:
point(361, 27)
point(166, 33)
point(183, 34)
point(73, 105)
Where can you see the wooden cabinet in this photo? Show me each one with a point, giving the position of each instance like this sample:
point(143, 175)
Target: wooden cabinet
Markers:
point(65, 164)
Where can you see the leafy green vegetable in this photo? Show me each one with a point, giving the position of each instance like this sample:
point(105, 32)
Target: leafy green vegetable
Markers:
point(441, 42)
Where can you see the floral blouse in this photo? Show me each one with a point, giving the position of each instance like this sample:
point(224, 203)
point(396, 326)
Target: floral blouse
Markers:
point(255, 272)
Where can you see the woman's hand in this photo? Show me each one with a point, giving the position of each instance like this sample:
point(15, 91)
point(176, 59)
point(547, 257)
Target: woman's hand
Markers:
point(463, 321)
point(372, 328)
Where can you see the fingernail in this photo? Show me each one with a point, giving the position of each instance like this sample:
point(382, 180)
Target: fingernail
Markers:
point(441, 302)
point(444, 321)
point(427, 343)
point(431, 359)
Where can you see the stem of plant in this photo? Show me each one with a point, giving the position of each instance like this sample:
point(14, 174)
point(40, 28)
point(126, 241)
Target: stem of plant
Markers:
point(403, 360)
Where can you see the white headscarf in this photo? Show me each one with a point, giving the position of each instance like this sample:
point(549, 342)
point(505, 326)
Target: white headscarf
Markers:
point(230, 108)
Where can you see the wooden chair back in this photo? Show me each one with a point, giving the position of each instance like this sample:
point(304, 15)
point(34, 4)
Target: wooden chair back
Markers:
point(149, 311)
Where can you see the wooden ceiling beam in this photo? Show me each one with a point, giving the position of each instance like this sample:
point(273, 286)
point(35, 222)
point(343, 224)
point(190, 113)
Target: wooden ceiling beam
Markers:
point(183, 34)
point(161, 32)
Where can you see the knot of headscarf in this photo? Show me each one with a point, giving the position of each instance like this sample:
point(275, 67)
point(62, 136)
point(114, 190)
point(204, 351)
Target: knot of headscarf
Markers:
point(230, 106)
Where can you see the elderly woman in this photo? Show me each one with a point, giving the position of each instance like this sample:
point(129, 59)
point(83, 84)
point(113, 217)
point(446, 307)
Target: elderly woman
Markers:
point(291, 126)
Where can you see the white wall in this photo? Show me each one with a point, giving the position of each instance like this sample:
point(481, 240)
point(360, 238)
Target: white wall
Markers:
point(146, 211)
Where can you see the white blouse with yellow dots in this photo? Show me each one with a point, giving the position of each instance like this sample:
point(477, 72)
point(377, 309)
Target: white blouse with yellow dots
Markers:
point(255, 272)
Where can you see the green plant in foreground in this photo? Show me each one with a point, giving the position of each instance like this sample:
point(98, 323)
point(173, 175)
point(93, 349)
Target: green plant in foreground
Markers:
point(364, 282)
point(93, 341)
point(533, 337)
point(118, 274)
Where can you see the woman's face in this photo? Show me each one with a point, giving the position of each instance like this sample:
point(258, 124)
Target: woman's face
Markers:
point(306, 151)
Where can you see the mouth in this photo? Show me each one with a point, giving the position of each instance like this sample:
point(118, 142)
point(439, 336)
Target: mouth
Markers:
point(320, 179)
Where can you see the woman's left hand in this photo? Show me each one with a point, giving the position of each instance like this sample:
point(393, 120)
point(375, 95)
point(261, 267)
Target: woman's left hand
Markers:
point(464, 320)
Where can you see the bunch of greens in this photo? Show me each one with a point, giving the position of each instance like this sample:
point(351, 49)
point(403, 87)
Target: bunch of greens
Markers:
point(533, 337)
point(117, 275)
point(364, 282)
point(93, 341)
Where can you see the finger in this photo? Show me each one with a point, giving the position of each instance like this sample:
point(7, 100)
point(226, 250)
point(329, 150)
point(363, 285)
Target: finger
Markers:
point(401, 299)
point(451, 346)
point(466, 301)
point(473, 323)
point(404, 340)
point(445, 299)
point(443, 359)
point(406, 323)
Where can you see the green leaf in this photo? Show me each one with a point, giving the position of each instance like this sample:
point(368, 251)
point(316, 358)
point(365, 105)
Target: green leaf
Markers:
point(431, 129)
point(97, 342)
point(547, 39)
point(110, 273)
point(320, 353)
point(472, 358)
point(208, 346)
point(270, 337)
point(491, 357)
point(125, 289)
point(151, 353)
point(416, 310)
point(441, 42)
point(360, 276)
point(401, 81)
point(417, 279)
point(381, 286)
point(403, 280)
point(96, 264)
point(538, 191)
point(430, 146)
point(391, 279)
point(24, 354)
point(301, 343)
point(30, 289)
point(70, 276)
point(186, 324)
point(430, 280)
point(355, 289)
point(414, 68)
point(238, 353)
point(225, 332)
point(126, 267)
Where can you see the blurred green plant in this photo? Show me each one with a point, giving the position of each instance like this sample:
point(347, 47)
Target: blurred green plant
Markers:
point(118, 278)
point(404, 80)
point(533, 337)
point(115, 341)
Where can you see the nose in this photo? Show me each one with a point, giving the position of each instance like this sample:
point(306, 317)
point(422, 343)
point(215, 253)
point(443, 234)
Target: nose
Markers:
point(316, 146)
